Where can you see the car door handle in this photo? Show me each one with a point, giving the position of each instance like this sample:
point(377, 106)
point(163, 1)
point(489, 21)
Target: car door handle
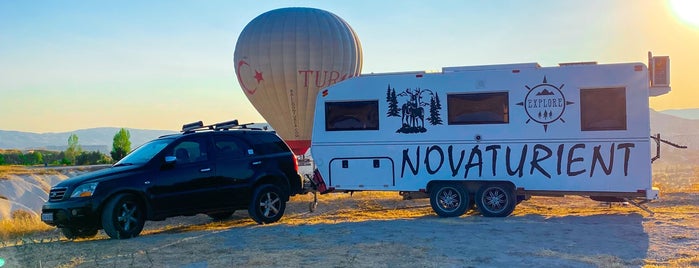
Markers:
point(256, 163)
point(205, 170)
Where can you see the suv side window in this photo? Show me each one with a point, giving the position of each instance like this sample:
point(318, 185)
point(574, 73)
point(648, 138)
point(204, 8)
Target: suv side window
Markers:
point(190, 151)
point(228, 147)
point(268, 143)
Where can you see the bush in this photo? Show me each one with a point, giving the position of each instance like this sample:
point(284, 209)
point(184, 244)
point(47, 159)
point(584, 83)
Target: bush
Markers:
point(21, 224)
point(21, 215)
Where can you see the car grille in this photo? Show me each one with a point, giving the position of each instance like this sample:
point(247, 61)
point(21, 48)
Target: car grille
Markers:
point(57, 194)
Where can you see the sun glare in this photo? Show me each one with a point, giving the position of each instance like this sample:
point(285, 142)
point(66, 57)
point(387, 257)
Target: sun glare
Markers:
point(686, 10)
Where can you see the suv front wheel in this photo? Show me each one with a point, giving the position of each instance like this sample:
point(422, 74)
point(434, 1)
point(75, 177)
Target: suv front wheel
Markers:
point(123, 217)
point(268, 204)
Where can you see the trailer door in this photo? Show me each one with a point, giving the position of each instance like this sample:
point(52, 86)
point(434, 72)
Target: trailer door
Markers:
point(371, 173)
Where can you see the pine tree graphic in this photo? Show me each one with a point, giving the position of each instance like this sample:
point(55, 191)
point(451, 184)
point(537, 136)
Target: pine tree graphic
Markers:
point(435, 106)
point(392, 102)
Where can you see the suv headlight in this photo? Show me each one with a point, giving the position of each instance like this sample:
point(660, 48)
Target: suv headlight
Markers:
point(84, 190)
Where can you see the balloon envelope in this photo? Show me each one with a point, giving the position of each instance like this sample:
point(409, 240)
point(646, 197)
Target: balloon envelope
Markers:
point(285, 56)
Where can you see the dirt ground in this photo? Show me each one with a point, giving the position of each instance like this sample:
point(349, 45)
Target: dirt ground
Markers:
point(379, 229)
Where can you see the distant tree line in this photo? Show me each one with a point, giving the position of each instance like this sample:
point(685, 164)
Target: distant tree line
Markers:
point(73, 155)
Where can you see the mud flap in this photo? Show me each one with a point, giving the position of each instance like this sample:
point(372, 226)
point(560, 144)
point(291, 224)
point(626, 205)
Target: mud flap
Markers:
point(319, 183)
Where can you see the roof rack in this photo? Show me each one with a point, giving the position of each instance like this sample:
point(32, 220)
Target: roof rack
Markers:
point(199, 125)
point(192, 126)
point(225, 125)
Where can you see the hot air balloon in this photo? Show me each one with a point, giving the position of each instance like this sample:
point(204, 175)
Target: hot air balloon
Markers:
point(285, 56)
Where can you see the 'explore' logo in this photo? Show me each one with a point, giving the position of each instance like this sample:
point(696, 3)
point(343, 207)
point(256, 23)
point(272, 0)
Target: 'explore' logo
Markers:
point(545, 104)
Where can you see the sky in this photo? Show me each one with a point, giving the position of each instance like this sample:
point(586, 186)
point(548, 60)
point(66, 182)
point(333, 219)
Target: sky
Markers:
point(68, 65)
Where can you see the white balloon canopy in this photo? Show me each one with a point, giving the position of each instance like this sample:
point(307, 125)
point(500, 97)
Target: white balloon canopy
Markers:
point(285, 56)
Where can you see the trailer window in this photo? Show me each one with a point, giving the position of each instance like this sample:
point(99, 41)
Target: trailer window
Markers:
point(478, 108)
point(352, 115)
point(603, 109)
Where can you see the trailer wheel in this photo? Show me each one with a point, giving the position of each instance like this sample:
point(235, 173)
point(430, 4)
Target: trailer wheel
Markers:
point(449, 199)
point(496, 200)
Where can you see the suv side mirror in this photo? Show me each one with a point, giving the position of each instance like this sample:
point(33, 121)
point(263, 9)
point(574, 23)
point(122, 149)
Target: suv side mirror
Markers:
point(170, 159)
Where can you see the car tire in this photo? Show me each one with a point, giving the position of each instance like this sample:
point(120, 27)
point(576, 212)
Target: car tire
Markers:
point(123, 217)
point(268, 204)
point(74, 233)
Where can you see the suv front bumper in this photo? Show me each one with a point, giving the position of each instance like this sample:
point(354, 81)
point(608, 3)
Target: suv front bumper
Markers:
point(78, 212)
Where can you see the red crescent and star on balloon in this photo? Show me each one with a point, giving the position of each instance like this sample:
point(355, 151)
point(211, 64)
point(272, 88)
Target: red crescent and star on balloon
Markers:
point(258, 77)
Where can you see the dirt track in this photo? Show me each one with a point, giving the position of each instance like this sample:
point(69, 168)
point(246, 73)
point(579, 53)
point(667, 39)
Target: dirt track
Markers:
point(551, 232)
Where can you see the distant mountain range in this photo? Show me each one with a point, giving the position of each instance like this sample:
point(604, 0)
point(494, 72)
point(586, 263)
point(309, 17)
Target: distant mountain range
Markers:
point(678, 130)
point(92, 139)
point(683, 113)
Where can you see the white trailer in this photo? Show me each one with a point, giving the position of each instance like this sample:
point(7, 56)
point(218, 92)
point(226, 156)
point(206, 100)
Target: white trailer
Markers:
point(491, 135)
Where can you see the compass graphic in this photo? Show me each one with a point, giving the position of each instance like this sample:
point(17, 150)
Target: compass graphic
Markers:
point(545, 104)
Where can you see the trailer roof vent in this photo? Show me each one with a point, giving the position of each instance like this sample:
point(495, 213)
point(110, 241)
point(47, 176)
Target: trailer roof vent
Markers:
point(515, 66)
point(577, 63)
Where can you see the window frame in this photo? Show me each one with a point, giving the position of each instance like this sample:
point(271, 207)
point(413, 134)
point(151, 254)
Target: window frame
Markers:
point(241, 147)
point(368, 124)
point(202, 148)
point(593, 107)
point(451, 118)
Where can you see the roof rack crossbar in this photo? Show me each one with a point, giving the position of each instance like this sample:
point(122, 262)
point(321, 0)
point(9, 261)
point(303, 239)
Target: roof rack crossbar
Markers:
point(192, 126)
point(233, 124)
point(226, 125)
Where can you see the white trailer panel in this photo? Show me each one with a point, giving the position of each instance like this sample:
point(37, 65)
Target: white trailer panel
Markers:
point(572, 129)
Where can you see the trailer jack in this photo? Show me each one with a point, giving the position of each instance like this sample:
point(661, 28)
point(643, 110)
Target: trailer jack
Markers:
point(641, 205)
point(314, 204)
point(313, 189)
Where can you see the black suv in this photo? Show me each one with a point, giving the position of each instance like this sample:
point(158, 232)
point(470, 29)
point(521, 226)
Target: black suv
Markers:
point(214, 170)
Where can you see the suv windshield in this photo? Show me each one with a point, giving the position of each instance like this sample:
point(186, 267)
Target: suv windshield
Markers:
point(144, 153)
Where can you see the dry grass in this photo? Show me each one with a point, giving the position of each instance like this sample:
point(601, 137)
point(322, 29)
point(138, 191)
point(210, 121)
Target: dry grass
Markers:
point(676, 178)
point(74, 262)
point(596, 260)
point(332, 208)
point(341, 208)
point(368, 206)
point(687, 260)
point(21, 224)
point(569, 206)
point(22, 170)
point(360, 206)
point(211, 226)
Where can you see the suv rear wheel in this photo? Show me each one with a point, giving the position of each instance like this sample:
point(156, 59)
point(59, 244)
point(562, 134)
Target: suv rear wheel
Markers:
point(123, 217)
point(268, 204)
